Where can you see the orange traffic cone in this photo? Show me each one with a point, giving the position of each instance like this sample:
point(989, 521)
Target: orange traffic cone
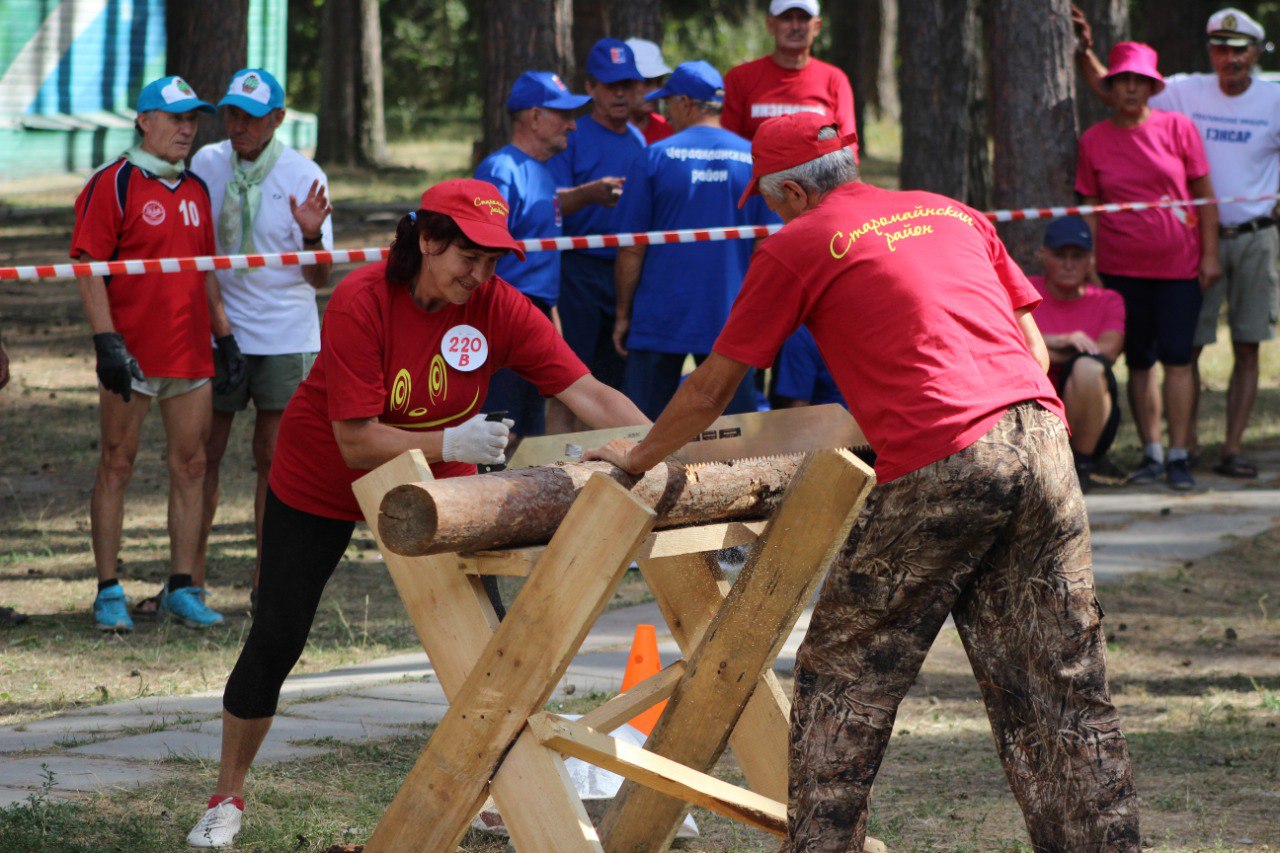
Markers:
point(642, 663)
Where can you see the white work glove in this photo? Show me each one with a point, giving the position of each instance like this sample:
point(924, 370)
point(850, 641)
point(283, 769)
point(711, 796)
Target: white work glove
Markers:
point(478, 441)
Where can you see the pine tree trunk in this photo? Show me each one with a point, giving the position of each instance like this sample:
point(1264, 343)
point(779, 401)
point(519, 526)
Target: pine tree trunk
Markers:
point(944, 122)
point(1175, 30)
point(1032, 77)
point(590, 24)
point(207, 43)
point(636, 19)
point(520, 36)
point(351, 130)
point(1109, 20)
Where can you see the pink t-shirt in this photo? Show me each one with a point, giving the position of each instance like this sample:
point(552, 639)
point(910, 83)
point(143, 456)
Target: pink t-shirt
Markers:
point(1097, 311)
point(1155, 160)
point(911, 299)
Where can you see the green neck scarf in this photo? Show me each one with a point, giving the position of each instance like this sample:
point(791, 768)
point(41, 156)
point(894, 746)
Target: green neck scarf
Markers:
point(244, 197)
point(153, 164)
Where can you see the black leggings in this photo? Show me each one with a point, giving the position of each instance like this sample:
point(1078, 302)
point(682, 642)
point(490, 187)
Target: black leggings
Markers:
point(299, 553)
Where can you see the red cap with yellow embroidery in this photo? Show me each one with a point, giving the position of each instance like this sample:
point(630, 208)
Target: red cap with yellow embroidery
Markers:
point(478, 209)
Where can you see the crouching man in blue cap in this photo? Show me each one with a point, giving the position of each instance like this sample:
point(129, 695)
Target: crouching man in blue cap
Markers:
point(267, 198)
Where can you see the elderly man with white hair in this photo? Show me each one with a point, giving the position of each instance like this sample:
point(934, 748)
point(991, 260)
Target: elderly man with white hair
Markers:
point(926, 325)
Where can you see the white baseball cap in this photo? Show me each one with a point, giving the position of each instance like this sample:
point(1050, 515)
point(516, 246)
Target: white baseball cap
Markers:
point(648, 59)
point(1233, 27)
point(777, 7)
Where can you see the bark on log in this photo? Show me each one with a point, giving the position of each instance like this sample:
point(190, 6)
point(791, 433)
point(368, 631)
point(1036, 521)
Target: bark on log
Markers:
point(515, 508)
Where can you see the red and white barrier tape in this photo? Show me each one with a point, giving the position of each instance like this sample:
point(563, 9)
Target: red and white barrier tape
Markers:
point(551, 244)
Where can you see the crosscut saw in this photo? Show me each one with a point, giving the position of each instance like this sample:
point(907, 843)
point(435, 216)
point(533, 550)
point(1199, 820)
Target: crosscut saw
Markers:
point(782, 431)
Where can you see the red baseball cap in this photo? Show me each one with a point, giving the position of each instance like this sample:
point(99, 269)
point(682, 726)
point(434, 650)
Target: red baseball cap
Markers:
point(787, 141)
point(478, 209)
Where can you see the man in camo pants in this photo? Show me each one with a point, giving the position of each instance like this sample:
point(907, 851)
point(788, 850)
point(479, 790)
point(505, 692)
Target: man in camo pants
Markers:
point(925, 323)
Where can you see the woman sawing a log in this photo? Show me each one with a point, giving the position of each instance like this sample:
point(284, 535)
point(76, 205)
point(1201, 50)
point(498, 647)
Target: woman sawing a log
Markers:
point(407, 350)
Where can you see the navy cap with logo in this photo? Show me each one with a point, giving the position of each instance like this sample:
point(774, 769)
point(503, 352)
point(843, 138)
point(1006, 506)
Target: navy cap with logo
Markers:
point(698, 79)
point(611, 61)
point(542, 89)
point(1068, 231)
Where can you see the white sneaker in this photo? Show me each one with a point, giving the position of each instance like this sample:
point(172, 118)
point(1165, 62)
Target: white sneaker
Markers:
point(219, 826)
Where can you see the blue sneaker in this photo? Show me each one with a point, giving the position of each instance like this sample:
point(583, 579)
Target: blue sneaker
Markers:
point(111, 611)
point(188, 607)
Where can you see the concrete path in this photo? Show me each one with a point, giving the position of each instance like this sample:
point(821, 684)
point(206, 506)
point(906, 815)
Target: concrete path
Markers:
point(134, 743)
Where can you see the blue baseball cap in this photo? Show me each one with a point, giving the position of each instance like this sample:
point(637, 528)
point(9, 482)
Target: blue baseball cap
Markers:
point(255, 91)
point(542, 89)
point(1068, 231)
point(611, 61)
point(698, 79)
point(172, 95)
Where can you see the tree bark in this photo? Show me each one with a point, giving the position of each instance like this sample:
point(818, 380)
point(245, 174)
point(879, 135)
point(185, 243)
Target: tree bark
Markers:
point(635, 19)
point(1176, 31)
point(207, 43)
point(524, 507)
point(1109, 20)
point(351, 130)
point(520, 36)
point(944, 121)
point(590, 24)
point(1032, 74)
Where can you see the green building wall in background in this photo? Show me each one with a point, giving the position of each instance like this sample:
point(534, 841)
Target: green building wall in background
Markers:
point(70, 71)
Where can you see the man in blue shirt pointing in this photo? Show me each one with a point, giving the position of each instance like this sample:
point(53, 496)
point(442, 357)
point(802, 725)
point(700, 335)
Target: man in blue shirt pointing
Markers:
point(672, 300)
point(541, 108)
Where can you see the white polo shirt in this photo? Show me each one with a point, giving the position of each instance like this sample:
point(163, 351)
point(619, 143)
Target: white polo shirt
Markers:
point(1241, 135)
point(272, 311)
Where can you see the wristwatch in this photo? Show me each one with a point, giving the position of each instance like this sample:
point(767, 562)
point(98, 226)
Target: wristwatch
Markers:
point(310, 241)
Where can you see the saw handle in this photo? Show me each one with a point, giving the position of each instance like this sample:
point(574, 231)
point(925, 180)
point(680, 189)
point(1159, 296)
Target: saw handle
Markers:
point(488, 469)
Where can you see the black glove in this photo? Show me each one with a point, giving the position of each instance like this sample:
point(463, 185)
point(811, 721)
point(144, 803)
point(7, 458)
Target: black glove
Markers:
point(235, 368)
point(116, 367)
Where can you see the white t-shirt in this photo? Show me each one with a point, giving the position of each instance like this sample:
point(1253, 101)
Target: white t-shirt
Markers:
point(272, 311)
point(1241, 135)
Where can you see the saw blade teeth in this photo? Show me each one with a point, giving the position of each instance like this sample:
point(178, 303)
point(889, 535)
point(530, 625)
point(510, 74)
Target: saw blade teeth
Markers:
point(693, 466)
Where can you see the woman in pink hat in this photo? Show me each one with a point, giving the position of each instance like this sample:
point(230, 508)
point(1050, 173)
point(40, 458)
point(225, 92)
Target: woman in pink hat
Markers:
point(407, 349)
point(1160, 260)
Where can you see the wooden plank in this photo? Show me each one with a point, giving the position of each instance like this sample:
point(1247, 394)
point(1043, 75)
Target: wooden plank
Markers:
point(621, 708)
point(690, 590)
point(455, 621)
point(518, 562)
point(748, 631)
point(518, 670)
point(660, 774)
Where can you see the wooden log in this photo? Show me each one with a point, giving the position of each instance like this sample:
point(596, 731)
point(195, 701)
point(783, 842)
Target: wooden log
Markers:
point(515, 508)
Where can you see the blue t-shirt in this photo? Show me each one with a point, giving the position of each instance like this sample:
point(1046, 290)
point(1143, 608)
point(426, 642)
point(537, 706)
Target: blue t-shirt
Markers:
point(595, 152)
point(690, 180)
point(802, 374)
point(530, 190)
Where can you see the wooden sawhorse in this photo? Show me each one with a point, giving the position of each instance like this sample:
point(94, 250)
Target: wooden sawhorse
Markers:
point(496, 739)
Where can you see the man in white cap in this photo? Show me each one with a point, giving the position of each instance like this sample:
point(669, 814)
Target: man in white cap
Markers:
point(267, 198)
point(644, 113)
point(789, 80)
point(1239, 121)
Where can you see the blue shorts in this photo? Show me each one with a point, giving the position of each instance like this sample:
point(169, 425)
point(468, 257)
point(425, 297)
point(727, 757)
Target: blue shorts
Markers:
point(1160, 317)
point(517, 396)
point(587, 312)
point(652, 379)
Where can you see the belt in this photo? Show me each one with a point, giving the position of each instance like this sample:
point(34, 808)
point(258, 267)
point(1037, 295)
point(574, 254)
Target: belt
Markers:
point(1229, 231)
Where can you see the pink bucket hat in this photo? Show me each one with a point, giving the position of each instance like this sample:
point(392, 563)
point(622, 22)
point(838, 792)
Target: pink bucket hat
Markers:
point(1136, 57)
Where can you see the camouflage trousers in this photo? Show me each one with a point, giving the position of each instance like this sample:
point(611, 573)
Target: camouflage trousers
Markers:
point(995, 535)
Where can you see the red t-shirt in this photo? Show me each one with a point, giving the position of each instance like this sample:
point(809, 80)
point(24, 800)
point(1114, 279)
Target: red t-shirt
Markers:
point(1096, 311)
point(657, 129)
point(761, 89)
point(125, 213)
point(1155, 160)
point(382, 356)
point(911, 299)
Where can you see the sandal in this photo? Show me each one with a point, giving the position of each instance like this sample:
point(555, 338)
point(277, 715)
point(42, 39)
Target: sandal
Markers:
point(1233, 465)
point(148, 608)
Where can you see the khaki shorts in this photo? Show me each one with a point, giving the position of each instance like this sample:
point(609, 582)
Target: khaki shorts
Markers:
point(1250, 284)
point(164, 387)
point(272, 381)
